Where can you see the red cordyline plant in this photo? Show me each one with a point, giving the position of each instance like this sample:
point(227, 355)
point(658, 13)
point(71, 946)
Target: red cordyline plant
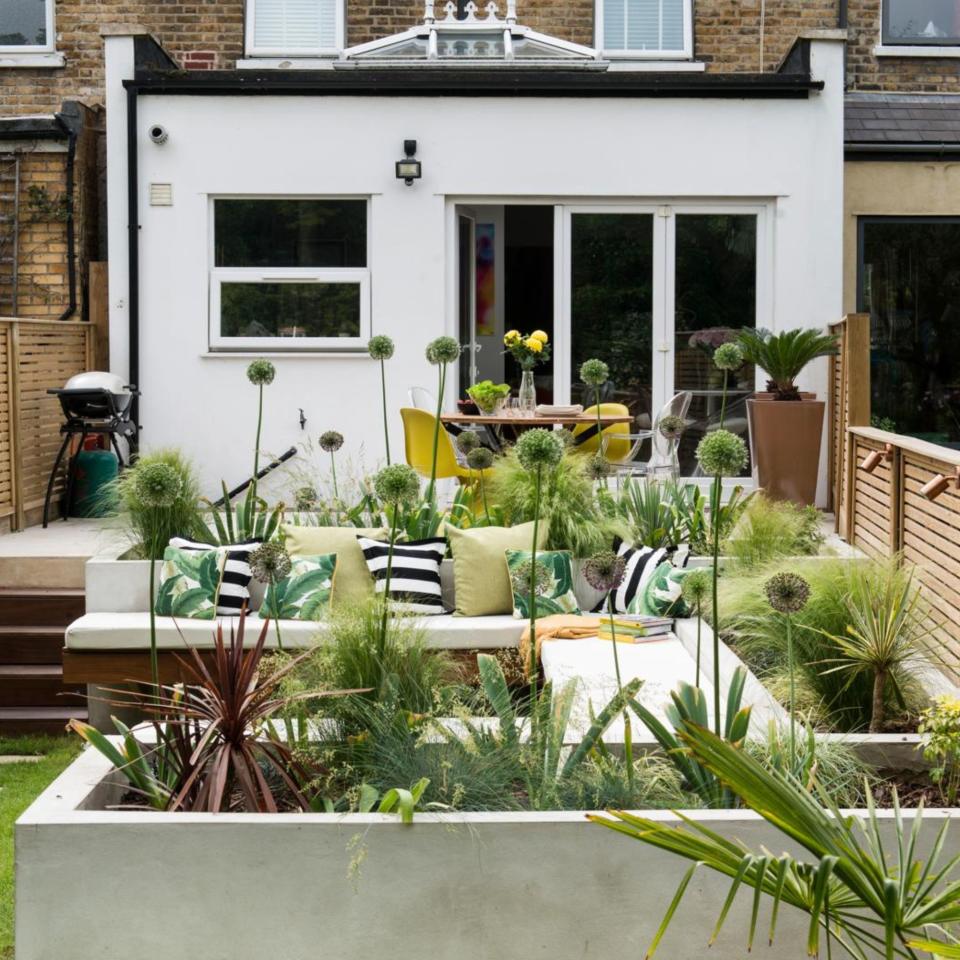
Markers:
point(215, 736)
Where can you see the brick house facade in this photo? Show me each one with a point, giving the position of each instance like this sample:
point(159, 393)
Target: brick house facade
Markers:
point(729, 36)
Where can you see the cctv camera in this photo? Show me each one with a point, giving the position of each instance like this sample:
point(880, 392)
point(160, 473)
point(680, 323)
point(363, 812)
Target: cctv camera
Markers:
point(158, 133)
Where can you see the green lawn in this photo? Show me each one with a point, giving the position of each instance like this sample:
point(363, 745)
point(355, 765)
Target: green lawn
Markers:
point(20, 783)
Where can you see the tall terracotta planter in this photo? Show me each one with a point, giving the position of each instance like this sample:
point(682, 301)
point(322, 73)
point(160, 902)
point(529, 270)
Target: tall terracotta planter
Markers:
point(785, 438)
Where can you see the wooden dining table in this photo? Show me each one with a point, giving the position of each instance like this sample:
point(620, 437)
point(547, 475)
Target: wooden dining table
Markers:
point(534, 421)
point(493, 426)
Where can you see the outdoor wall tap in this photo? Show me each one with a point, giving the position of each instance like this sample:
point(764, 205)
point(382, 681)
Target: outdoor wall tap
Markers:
point(303, 419)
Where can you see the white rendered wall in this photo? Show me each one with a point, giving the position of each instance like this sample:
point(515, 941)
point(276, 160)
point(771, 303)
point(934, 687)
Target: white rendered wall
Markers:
point(787, 153)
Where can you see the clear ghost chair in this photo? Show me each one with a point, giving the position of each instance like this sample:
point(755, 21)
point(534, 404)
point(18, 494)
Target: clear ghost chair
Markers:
point(422, 399)
point(664, 461)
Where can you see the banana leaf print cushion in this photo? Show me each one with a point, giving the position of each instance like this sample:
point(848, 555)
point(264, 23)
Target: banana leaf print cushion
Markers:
point(661, 595)
point(305, 593)
point(190, 583)
point(554, 582)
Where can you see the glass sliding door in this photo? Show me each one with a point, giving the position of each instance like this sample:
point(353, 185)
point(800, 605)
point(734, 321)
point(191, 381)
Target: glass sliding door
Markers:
point(715, 296)
point(909, 282)
point(612, 305)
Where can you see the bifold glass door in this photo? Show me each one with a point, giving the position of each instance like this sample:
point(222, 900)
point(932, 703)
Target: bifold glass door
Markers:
point(652, 290)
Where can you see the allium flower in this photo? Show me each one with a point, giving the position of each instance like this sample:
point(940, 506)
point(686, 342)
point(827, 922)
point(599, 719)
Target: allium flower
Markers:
point(728, 356)
point(671, 427)
point(380, 347)
point(331, 441)
point(787, 592)
point(565, 436)
point(156, 485)
point(305, 498)
point(443, 350)
point(480, 458)
point(539, 448)
point(722, 454)
point(696, 586)
point(594, 372)
point(544, 583)
point(270, 562)
point(605, 571)
point(261, 372)
point(597, 467)
point(467, 441)
point(397, 484)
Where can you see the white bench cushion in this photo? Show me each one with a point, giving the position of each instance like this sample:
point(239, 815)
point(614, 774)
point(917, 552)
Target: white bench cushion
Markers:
point(131, 631)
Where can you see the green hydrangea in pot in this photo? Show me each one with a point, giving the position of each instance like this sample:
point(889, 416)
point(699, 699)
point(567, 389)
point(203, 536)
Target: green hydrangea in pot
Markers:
point(786, 426)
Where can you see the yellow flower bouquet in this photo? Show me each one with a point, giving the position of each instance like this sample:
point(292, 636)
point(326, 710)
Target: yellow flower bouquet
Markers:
point(527, 349)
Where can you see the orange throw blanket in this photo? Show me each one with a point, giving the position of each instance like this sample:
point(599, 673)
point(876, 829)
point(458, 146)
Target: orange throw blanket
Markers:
point(558, 626)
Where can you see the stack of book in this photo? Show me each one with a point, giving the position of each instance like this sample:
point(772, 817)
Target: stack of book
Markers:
point(634, 627)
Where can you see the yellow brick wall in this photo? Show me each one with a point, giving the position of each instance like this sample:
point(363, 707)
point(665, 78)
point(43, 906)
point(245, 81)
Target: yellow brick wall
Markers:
point(42, 289)
point(208, 34)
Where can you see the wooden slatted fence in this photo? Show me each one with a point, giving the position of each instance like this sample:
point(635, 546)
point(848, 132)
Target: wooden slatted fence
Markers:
point(849, 399)
point(35, 355)
point(891, 516)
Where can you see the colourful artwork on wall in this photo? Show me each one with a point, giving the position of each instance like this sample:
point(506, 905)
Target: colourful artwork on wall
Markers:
point(486, 280)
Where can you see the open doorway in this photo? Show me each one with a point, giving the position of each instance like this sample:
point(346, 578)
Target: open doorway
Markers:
point(505, 282)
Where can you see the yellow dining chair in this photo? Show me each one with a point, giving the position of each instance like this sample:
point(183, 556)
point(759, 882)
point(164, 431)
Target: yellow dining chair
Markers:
point(618, 444)
point(418, 442)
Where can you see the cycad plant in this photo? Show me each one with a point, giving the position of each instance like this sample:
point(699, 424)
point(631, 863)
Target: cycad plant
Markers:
point(864, 897)
point(782, 356)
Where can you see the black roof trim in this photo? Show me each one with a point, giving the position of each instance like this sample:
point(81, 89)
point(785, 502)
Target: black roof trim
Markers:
point(453, 82)
point(32, 128)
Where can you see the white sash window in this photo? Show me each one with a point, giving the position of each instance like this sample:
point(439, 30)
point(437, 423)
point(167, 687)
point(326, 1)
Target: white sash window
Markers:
point(294, 28)
point(650, 29)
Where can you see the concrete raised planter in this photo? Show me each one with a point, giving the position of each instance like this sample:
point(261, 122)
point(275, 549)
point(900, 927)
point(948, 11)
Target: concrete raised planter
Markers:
point(463, 887)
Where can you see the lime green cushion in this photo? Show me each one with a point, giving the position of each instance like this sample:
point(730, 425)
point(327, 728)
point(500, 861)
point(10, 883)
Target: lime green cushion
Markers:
point(189, 583)
point(480, 576)
point(305, 593)
point(353, 582)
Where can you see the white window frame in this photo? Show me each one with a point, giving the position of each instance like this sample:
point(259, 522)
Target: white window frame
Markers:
point(911, 48)
point(39, 54)
point(685, 54)
point(252, 50)
point(220, 275)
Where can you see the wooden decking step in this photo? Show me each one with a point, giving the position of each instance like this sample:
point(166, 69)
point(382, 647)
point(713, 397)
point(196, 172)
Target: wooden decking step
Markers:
point(31, 644)
point(15, 721)
point(23, 607)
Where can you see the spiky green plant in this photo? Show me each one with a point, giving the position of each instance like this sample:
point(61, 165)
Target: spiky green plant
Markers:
point(886, 632)
point(783, 356)
point(867, 898)
point(841, 700)
point(569, 510)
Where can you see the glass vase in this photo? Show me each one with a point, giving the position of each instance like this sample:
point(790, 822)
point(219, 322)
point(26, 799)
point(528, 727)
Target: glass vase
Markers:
point(527, 394)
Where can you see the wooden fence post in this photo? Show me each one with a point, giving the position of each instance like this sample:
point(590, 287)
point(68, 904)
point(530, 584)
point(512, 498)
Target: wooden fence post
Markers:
point(16, 447)
point(98, 304)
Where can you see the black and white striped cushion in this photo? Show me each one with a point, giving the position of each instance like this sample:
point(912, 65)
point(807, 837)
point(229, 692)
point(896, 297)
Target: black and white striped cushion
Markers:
point(641, 562)
point(414, 574)
point(235, 585)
